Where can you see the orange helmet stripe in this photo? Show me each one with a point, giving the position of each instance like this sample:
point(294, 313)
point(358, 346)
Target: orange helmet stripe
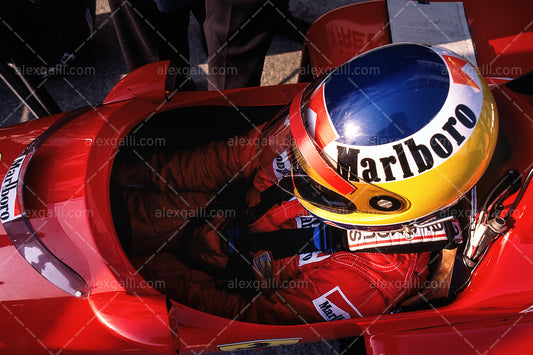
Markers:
point(311, 154)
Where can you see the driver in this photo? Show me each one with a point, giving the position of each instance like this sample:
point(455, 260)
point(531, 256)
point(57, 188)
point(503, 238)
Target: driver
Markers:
point(378, 151)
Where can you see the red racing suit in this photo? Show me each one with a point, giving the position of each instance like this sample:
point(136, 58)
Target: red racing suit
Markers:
point(304, 288)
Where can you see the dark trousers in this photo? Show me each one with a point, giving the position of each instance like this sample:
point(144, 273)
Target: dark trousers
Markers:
point(147, 35)
point(238, 34)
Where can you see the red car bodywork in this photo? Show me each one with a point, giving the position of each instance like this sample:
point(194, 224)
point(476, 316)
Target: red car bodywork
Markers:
point(64, 193)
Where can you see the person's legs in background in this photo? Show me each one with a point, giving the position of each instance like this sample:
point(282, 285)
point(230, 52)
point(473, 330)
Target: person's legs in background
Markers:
point(148, 35)
point(238, 35)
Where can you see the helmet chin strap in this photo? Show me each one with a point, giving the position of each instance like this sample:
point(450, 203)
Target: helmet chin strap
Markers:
point(440, 234)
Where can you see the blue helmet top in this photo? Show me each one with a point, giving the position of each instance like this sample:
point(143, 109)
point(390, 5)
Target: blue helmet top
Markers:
point(376, 93)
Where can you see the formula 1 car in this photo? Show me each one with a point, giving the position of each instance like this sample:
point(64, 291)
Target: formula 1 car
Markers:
point(68, 286)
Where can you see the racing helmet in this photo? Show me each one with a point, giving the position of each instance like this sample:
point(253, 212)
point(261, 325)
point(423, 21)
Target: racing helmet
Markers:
point(392, 137)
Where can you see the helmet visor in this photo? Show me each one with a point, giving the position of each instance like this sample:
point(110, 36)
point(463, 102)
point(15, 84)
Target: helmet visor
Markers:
point(284, 165)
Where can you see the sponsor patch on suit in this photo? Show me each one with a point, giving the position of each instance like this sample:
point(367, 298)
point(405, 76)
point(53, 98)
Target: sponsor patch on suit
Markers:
point(334, 305)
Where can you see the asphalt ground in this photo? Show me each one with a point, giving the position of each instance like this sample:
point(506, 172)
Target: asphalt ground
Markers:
point(100, 66)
